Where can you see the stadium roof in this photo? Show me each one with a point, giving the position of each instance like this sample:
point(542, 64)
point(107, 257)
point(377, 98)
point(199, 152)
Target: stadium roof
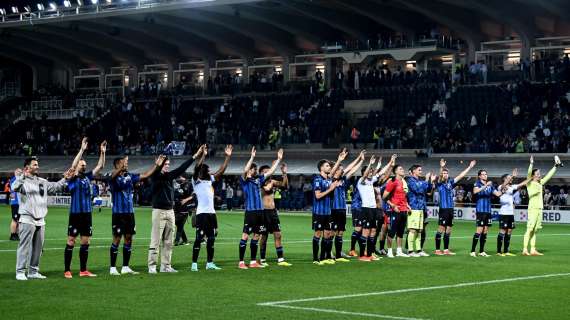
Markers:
point(180, 30)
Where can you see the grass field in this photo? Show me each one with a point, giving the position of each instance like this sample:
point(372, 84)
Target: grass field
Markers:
point(457, 287)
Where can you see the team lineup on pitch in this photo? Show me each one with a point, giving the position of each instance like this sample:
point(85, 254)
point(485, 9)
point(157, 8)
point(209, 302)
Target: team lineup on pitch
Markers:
point(387, 204)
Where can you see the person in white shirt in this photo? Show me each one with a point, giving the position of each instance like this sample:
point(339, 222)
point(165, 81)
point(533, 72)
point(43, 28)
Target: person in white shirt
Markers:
point(370, 214)
point(206, 221)
point(506, 213)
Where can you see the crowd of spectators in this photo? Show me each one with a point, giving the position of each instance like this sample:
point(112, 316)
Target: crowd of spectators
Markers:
point(422, 109)
point(148, 127)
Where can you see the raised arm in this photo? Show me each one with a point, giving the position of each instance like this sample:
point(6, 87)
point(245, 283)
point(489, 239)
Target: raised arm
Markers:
point(355, 168)
point(529, 173)
point(101, 162)
point(355, 162)
point(378, 165)
point(275, 164)
point(368, 168)
point(388, 166)
point(249, 163)
point(202, 152)
point(224, 166)
point(284, 183)
point(465, 172)
point(79, 155)
point(186, 164)
point(341, 156)
point(557, 163)
point(548, 176)
point(155, 168)
point(442, 164)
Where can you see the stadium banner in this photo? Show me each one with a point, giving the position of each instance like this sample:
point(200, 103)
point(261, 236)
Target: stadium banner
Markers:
point(468, 213)
point(175, 148)
point(66, 201)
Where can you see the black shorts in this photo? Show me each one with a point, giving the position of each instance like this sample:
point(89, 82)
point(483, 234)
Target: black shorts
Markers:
point(446, 217)
point(484, 219)
point(398, 224)
point(271, 219)
point(321, 222)
point(15, 214)
point(356, 218)
point(369, 216)
point(206, 224)
point(80, 224)
point(425, 217)
point(253, 222)
point(124, 223)
point(379, 218)
point(338, 217)
point(507, 222)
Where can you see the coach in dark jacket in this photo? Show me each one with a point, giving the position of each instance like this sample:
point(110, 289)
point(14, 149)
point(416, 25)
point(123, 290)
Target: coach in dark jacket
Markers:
point(162, 230)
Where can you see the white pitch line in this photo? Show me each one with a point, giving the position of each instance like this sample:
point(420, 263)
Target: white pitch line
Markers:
point(285, 304)
point(370, 315)
point(379, 293)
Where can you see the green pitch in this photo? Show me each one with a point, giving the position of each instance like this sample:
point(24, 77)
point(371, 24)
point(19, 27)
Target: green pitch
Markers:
point(457, 287)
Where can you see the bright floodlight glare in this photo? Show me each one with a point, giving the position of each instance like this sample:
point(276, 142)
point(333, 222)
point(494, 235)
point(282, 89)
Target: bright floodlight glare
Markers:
point(80, 2)
point(94, 1)
point(28, 9)
point(3, 12)
point(53, 6)
point(67, 3)
point(109, 1)
point(41, 7)
point(15, 10)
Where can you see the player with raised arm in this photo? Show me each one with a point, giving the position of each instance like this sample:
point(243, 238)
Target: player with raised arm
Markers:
point(80, 211)
point(507, 212)
point(535, 205)
point(122, 185)
point(369, 213)
point(382, 208)
point(323, 190)
point(483, 190)
point(338, 212)
point(445, 185)
point(163, 219)
point(271, 216)
point(206, 220)
point(251, 183)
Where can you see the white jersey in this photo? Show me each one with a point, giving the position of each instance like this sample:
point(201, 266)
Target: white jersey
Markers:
point(507, 203)
point(204, 194)
point(366, 191)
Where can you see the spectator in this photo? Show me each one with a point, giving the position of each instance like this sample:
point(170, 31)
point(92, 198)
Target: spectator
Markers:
point(354, 135)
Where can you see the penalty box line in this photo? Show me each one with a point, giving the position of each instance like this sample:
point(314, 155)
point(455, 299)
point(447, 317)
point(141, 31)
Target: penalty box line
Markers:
point(287, 303)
